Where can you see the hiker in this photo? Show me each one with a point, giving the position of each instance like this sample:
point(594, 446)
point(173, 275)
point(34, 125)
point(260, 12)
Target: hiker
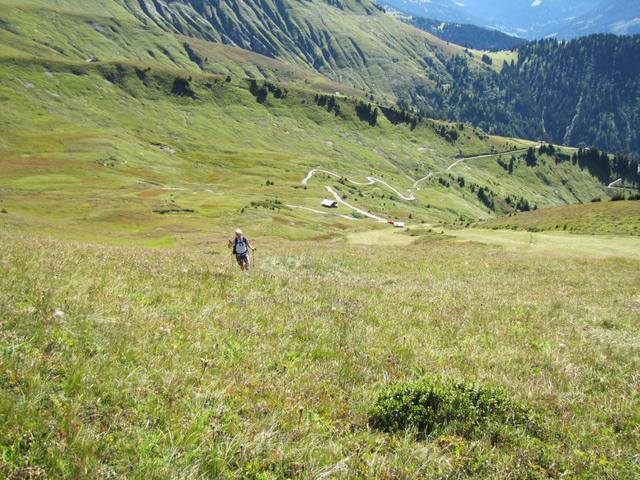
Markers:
point(241, 248)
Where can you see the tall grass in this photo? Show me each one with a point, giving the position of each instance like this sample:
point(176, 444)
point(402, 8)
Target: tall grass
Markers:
point(172, 364)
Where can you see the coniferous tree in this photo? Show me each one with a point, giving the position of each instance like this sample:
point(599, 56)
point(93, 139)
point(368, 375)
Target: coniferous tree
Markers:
point(531, 159)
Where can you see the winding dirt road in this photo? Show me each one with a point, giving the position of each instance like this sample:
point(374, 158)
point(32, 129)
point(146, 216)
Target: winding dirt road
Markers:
point(356, 209)
point(372, 180)
point(464, 159)
point(348, 217)
point(417, 182)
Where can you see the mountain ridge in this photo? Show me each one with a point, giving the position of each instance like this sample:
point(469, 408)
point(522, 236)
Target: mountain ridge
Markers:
point(466, 35)
point(369, 52)
point(533, 19)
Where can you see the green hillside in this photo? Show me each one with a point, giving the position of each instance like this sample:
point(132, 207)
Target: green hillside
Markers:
point(613, 218)
point(567, 93)
point(578, 92)
point(350, 41)
point(162, 124)
point(85, 31)
point(131, 346)
point(353, 43)
point(222, 59)
point(90, 148)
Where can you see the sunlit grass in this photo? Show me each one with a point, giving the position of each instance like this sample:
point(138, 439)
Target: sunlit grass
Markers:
point(170, 363)
point(102, 148)
point(614, 218)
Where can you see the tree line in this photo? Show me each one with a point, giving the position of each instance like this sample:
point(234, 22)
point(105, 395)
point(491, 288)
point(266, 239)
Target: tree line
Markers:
point(583, 92)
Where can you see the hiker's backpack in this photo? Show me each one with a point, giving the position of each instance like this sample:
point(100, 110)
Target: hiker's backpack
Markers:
point(241, 242)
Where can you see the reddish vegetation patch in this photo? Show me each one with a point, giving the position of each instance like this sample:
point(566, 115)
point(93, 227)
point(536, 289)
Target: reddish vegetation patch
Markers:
point(18, 165)
point(142, 174)
point(216, 178)
point(150, 193)
point(341, 226)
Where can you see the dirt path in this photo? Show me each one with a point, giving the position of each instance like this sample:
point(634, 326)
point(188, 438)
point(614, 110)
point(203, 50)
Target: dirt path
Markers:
point(617, 186)
point(348, 217)
point(487, 155)
point(417, 182)
point(356, 209)
point(370, 181)
point(464, 159)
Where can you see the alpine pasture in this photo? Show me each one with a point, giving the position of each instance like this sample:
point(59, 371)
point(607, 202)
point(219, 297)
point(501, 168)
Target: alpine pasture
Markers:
point(496, 336)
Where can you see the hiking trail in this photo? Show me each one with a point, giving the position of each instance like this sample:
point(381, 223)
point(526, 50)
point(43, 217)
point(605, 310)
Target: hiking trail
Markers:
point(373, 180)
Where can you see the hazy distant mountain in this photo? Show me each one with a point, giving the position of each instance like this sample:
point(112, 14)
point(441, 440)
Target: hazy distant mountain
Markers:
point(620, 16)
point(533, 18)
point(467, 35)
point(529, 18)
point(448, 10)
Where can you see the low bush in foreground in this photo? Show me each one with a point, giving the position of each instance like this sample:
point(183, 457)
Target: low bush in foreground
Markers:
point(438, 406)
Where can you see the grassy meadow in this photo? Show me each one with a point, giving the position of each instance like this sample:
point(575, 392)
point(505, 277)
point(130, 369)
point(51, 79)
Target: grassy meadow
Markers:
point(101, 152)
point(169, 363)
point(132, 347)
point(605, 218)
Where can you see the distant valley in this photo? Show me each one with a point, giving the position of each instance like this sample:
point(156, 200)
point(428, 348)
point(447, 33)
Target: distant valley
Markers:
point(466, 35)
point(533, 19)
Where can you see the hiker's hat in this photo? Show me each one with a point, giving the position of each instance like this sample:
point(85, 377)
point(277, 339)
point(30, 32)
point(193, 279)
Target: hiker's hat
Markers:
point(238, 231)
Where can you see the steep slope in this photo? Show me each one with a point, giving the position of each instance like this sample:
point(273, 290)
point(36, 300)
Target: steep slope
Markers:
point(581, 92)
point(353, 48)
point(97, 32)
point(352, 42)
point(224, 59)
point(356, 44)
point(85, 31)
point(587, 90)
